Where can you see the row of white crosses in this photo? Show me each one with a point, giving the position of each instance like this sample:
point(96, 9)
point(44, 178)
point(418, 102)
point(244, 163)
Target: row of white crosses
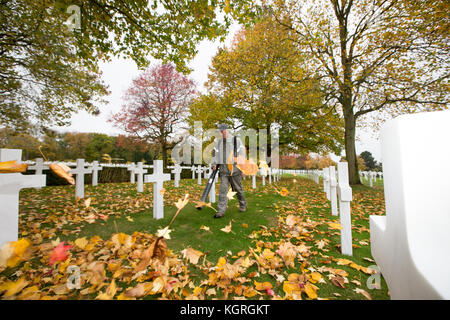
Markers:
point(371, 176)
point(340, 188)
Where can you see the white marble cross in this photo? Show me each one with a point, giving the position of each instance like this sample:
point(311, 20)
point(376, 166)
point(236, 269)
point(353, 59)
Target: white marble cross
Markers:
point(157, 178)
point(326, 181)
point(10, 186)
point(132, 169)
point(95, 169)
point(80, 171)
point(139, 170)
point(254, 181)
point(39, 166)
point(199, 171)
point(333, 194)
point(177, 173)
point(193, 172)
point(411, 243)
point(345, 197)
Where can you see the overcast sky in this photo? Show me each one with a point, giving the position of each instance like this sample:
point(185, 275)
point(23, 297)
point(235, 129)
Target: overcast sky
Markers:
point(119, 73)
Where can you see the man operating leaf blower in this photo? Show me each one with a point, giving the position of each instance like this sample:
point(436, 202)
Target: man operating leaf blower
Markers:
point(228, 151)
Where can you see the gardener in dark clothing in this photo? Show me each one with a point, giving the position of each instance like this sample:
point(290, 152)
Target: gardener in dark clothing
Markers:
point(225, 153)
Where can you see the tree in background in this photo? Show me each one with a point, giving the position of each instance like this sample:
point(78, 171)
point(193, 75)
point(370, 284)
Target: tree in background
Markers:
point(43, 79)
point(255, 84)
point(155, 105)
point(369, 161)
point(388, 56)
point(49, 70)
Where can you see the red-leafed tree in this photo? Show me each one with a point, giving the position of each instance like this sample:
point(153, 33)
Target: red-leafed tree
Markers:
point(155, 105)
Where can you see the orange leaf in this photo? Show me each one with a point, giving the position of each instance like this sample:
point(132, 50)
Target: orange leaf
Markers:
point(12, 167)
point(63, 171)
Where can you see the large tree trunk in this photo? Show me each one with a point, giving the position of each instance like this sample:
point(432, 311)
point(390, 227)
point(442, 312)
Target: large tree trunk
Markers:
point(350, 148)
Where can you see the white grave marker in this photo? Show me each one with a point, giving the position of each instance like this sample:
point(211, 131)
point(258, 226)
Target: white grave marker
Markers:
point(95, 169)
point(345, 197)
point(333, 194)
point(132, 169)
point(193, 172)
point(10, 186)
point(80, 171)
point(199, 171)
point(411, 243)
point(157, 178)
point(326, 181)
point(177, 173)
point(254, 181)
point(39, 166)
point(139, 170)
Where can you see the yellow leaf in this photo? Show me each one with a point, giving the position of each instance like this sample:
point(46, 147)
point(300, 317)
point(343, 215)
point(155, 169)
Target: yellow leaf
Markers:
point(221, 263)
point(182, 202)
point(284, 192)
point(343, 262)
point(110, 292)
point(260, 286)
point(315, 277)
point(130, 219)
point(192, 255)
point(310, 291)
point(335, 225)
point(81, 243)
point(204, 228)
point(13, 287)
point(87, 202)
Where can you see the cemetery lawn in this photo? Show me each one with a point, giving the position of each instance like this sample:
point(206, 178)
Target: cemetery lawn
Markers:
point(282, 247)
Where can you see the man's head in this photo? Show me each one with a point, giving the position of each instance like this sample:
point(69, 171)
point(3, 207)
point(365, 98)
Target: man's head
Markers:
point(223, 128)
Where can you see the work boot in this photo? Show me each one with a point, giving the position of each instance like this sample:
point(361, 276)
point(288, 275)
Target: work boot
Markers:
point(219, 214)
point(242, 209)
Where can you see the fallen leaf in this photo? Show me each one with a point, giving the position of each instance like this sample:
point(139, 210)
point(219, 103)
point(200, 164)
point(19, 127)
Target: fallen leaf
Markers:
point(310, 291)
point(164, 233)
point(110, 292)
point(59, 253)
point(230, 194)
point(364, 293)
point(227, 229)
point(192, 255)
point(181, 203)
point(13, 287)
point(336, 226)
point(81, 243)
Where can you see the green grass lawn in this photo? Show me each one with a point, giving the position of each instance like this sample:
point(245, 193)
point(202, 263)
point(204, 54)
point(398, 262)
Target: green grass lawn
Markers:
point(52, 213)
